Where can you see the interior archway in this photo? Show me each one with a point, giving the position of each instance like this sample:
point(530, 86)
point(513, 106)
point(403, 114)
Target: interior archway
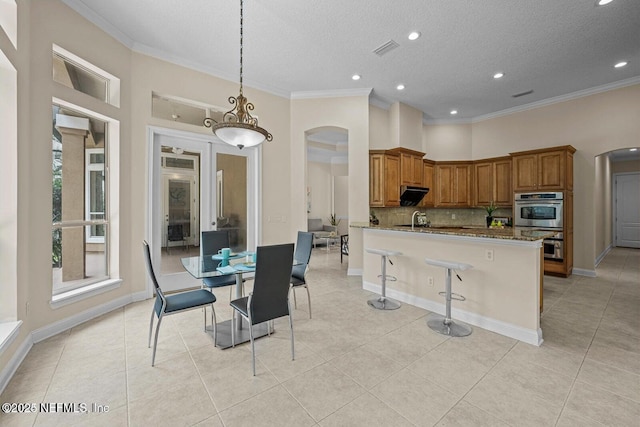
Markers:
point(608, 166)
point(327, 176)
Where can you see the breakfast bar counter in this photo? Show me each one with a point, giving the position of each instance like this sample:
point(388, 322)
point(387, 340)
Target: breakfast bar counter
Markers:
point(502, 290)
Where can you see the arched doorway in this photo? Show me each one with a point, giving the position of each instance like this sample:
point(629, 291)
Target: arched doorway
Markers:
point(327, 176)
point(617, 203)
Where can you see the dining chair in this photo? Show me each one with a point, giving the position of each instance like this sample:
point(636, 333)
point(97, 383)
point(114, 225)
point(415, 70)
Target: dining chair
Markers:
point(211, 242)
point(175, 303)
point(269, 299)
point(304, 244)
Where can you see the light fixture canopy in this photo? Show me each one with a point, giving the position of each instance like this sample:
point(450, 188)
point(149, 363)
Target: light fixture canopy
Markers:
point(238, 127)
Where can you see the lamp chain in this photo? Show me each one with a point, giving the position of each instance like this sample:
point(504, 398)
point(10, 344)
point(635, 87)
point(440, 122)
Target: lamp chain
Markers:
point(241, 25)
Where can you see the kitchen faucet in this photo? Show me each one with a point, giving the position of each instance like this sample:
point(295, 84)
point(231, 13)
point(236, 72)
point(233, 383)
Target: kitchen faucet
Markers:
point(413, 217)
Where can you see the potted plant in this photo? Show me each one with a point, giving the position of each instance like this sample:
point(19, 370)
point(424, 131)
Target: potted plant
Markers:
point(333, 220)
point(490, 210)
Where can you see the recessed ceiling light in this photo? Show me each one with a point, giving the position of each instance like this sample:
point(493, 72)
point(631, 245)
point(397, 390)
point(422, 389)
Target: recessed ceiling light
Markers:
point(454, 112)
point(633, 149)
point(400, 87)
point(498, 75)
point(620, 64)
point(355, 77)
point(414, 35)
point(603, 2)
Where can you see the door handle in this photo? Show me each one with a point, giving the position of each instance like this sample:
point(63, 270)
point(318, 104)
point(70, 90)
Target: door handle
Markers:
point(213, 223)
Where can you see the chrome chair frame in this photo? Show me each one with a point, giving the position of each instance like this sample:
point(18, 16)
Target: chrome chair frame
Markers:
point(162, 301)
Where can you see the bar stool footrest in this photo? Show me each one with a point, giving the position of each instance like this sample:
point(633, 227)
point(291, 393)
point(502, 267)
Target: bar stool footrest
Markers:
point(454, 296)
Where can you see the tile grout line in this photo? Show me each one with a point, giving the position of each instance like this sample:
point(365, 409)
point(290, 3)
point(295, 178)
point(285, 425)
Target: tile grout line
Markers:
point(575, 379)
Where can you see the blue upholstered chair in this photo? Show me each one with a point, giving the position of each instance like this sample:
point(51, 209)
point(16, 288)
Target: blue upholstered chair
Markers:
point(270, 297)
point(211, 242)
point(175, 303)
point(304, 245)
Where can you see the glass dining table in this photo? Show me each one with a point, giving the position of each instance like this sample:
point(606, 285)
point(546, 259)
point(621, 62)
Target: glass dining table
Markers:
point(239, 264)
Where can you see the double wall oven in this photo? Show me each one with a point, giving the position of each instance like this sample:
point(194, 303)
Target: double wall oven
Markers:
point(542, 211)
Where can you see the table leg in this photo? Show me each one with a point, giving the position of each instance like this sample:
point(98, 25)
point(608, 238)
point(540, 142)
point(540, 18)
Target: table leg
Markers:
point(242, 326)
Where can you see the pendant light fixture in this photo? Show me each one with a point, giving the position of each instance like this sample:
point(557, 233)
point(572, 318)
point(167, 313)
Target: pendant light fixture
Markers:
point(238, 127)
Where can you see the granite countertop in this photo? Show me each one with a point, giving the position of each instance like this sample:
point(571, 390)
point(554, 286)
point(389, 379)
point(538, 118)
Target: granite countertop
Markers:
point(507, 233)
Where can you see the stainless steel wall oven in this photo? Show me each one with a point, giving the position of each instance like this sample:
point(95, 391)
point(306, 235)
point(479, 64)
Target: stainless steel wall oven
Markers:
point(543, 210)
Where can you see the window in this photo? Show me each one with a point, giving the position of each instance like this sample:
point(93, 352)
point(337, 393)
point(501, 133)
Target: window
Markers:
point(95, 194)
point(85, 169)
point(79, 190)
point(74, 72)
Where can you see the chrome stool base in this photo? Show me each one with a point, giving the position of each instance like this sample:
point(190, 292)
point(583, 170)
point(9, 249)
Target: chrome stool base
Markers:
point(452, 329)
point(384, 303)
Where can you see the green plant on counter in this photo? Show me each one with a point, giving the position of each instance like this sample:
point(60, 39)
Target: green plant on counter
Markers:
point(491, 208)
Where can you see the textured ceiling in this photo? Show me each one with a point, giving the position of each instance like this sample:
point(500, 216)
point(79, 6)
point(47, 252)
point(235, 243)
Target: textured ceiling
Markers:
point(552, 47)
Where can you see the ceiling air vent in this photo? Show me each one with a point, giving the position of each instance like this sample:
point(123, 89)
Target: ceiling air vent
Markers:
point(385, 48)
point(518, 95)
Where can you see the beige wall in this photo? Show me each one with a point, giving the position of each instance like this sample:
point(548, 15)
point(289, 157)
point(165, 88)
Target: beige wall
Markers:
point(349, 113)
point(319, 180)
point(379, 129)
point(406, 126)
point(602, 211)
point(447, 142)
point(626, 167)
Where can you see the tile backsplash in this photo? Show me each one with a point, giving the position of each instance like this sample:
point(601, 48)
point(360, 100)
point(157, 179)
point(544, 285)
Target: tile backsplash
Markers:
point(438, 216)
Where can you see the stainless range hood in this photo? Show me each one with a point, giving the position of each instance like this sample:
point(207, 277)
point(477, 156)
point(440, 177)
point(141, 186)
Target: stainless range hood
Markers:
point(411, 196)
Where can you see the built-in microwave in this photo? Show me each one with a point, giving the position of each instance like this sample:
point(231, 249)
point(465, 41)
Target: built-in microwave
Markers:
point(538, 210)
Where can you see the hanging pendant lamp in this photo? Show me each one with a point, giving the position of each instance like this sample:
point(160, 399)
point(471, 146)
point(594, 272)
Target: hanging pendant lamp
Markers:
point(238, 127)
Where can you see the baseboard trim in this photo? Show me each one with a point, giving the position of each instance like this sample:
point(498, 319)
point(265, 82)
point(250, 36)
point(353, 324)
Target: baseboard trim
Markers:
point(584, 272)
point(45, 332)
point(77, 319)
point(529, 336)
point(603, 254)
point(14, 363)
point(354, 272)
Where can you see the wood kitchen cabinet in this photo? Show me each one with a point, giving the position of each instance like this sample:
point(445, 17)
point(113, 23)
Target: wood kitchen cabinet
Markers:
point(410, 166)
point(428, 181)
point(543, 170)
point(453, 184)
point(564, 268)
point(384, 178)
point(492, 182)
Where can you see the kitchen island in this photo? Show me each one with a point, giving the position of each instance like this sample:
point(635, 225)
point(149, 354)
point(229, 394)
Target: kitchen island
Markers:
point(503, 291)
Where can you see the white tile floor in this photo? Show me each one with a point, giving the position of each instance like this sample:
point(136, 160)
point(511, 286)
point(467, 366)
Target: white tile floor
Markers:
point(354, 366)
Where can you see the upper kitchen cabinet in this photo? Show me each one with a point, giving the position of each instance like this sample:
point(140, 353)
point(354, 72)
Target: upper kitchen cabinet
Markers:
point(492, 182)
point(410, 166)
point(428, 181)
point(384, 178)
point(453, 184)
point(544, 169)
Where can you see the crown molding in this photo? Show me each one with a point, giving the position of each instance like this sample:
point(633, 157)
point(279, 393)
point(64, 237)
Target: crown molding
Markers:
point(447, 121)
point(100, 22)
point(557, 99)
point(340, 93)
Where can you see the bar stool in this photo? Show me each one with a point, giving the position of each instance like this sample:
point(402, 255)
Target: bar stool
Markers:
point(443, 324)
point(382, 302)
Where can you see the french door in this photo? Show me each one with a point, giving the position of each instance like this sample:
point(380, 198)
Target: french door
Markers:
point(220, 192)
